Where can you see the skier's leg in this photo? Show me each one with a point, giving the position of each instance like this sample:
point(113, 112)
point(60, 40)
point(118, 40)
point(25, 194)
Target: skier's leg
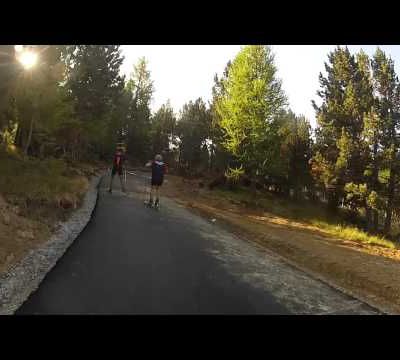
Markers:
point(111, 182)
point(151, 194)
point(122, 182)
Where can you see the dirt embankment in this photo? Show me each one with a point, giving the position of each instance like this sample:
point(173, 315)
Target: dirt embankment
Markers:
point(18, 234)
point(26, 222)
point(368, 271)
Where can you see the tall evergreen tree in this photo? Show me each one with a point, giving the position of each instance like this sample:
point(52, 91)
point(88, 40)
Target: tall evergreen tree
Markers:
point(163, 125)
point(253, 98)
point(8, 75)
point(220, 158)
point(39, 99)
point(296, 147)
point(141, 88)
point(193, 131)
point(95, 85)
point(346, 98)
point(387, 91)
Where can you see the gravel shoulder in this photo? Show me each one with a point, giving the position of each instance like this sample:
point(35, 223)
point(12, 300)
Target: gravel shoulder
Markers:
point(361, 271)
point(253, 263)
point(23, 277)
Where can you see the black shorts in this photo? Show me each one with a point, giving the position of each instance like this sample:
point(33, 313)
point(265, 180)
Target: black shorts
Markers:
point(156, 182)
point(116, 170)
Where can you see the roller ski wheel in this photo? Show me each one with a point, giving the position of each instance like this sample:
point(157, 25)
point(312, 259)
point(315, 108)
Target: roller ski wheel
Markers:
point(148, 204)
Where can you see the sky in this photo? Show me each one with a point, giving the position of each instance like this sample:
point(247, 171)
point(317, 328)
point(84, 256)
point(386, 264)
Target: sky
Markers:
point(185, 72)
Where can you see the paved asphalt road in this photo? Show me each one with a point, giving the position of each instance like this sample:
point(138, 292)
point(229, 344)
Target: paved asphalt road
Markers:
point(135, 260)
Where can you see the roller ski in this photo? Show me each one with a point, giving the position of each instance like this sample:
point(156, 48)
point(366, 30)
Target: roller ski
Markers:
point(154, 205)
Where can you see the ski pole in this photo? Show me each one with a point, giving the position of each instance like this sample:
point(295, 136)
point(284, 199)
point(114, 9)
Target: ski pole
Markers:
point(145, 188)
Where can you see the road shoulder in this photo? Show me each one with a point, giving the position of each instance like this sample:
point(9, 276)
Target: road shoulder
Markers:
point(24, 277)
point(343, 266)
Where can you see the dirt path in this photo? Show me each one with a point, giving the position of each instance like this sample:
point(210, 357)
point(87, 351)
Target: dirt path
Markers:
point(369, 272)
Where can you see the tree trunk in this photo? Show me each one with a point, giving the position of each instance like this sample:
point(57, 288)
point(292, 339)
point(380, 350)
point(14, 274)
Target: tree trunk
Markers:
point(391, 185)
point(375, 220)
point(333, 199)
point(389, 206)
point(297, 192)
point(42, 150)
point(18, 136)
point(211, 163)
point(375, 184)
point(28, 142)
point(368, 215)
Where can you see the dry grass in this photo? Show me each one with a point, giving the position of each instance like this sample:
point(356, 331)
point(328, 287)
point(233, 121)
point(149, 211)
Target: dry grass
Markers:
point(39, 181)
point(306, 236)
point(34, 196)
point(313, 214)
point(354, 234)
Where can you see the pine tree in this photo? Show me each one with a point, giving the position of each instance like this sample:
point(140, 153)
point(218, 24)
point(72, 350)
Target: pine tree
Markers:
point(8, 77)
point(193, 131)
point(94, 84)
point(219, 156)
point(346, 97)
point(252, 98)
point(295, 151)
point(141, 88)
point(39, 99)
point(163, 125)
point(387, 91)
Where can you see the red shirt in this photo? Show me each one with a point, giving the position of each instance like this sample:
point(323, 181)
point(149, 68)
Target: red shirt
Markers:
point(118, 159)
